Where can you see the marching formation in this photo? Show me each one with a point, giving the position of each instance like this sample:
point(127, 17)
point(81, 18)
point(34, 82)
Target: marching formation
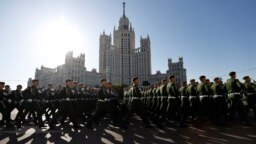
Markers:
point(201, 101)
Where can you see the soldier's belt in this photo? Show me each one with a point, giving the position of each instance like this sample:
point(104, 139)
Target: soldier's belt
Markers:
point(184, 97)
point(171, 97)
point(68, 99)
point(29, 100)
point(9, 101)
point(135, 98)
point(215, 96)
point(230, 94)
point(250, 93)
point(192, 97)
point(164, 96)
point(203, 96)
point(107, 99)
point(101, 100)
point(46, 101)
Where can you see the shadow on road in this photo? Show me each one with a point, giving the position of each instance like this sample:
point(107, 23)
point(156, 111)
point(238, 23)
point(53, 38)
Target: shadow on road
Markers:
point(106, 133)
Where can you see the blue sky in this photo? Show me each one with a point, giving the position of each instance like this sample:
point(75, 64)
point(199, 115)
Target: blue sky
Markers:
point(213, 36)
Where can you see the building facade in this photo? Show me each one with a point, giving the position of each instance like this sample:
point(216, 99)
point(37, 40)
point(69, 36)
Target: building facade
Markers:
point(72, 69)
point(177, 69)
point(122, 61)
point(119, 61)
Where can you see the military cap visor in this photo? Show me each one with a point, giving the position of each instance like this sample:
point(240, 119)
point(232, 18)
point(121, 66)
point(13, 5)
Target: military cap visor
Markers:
point(215, 79)
point(2, 83)
point(134, 79)
point(171, 76)
point(246, 77)
point(202, 77)
point(102, 80)
point(68, 80)
point(232, 73)
point(35, 80)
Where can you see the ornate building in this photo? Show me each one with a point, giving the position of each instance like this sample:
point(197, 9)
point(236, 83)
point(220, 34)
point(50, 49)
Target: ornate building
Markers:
point(72, 69)
point(121, 61)
point(118, 62)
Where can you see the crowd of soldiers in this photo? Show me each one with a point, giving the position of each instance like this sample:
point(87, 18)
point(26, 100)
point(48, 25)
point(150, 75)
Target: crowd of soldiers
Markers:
point(215, 101)
point(73, 101)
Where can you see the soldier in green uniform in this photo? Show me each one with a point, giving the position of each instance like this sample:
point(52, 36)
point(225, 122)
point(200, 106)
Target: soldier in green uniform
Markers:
point(249, 95)
point(9, 100)
point(220, 105)
point(155, 101)
point(173, 108)
point(67, 107)
point(32, 96)
point(206, 108)
point(159, 100)
point(136, 104)
point(48, 102)
point(2, 106)
point(193, 99)
point(163, 106)
point(234, 88)
point(76, 101)
point(184, 103)
point(113, 105)
point(151, 98)
point(19, 99)
point(101, 105)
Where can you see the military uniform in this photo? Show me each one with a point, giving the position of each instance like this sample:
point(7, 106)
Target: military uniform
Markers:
point(206, 107)
point(220, 105)
point(101, 105)
point(66, 108)
point(2, 106)
point(163, 103)
point(32, 104)
point(113, 107)
point(136, 105)
point(184, 103)
point(234, 88)
point(9, 105)
point(173, 108)
point(49, 100)
point(249, 96)
point(194, 100)
point(19, 99)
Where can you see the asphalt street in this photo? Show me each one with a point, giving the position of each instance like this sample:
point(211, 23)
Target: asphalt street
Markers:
point(136, 133)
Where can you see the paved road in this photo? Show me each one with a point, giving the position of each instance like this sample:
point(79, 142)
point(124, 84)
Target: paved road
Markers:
point(106, 133)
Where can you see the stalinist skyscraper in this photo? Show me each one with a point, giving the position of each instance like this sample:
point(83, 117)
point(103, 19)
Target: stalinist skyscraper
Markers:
point(121, 61)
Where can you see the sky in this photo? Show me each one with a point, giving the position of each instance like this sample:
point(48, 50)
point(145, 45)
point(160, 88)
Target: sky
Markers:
point(214, 37)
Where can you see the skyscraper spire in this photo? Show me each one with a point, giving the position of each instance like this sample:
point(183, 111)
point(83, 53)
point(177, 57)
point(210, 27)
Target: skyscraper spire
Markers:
point(123, 9)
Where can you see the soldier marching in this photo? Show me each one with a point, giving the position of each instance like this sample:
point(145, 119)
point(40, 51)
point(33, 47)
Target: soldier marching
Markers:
point(159, 104)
